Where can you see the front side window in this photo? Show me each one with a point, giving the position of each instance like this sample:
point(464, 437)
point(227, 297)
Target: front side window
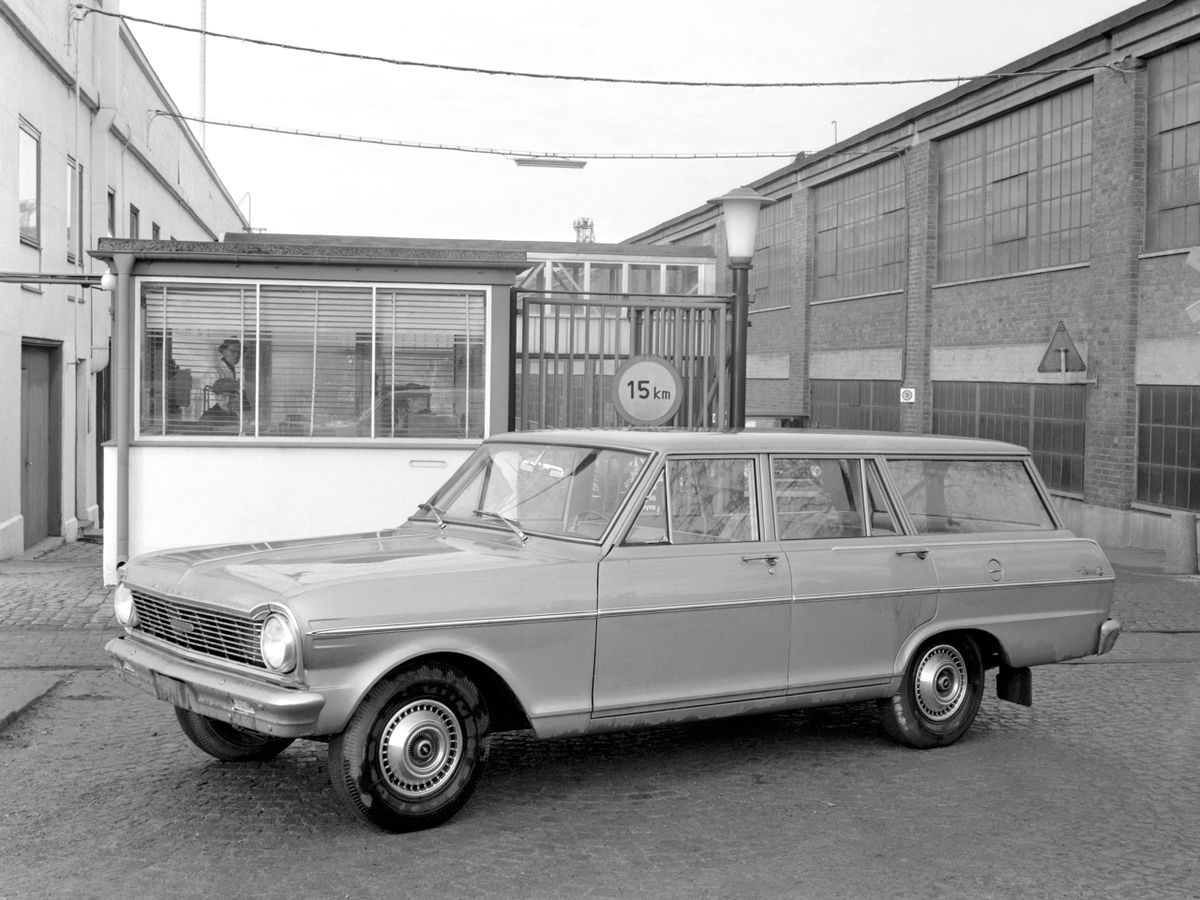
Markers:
point(546, 489)
point(29, 198)
point(707, 501)
point(955, 496)
point(260, 359)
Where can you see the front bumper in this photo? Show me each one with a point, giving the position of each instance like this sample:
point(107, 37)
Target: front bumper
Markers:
point(227, 697)
point(1109, 632)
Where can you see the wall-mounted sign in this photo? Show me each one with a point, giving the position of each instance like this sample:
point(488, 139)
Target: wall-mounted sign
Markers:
point(647, 390)
point(908, 395)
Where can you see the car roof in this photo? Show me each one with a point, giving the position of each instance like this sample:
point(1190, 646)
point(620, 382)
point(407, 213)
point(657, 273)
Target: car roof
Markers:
point(769, 440)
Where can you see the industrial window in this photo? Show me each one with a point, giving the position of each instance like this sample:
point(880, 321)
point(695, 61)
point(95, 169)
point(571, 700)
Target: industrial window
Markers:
point(260, 359)
point(859, 405)
point(1173, 151)
point(1046, 418)
point(861, 233)
point(772, 271)
point(1016, 193)
point(29, 178)
point(1168, 466)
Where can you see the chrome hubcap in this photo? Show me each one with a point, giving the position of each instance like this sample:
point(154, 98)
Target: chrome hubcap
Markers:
point(420, 749)
point(941, 682)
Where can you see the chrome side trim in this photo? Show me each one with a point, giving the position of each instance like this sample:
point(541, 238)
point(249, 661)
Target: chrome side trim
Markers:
point(1002, 585)
point(391, 628)
point(459, 623)
point(692, 607)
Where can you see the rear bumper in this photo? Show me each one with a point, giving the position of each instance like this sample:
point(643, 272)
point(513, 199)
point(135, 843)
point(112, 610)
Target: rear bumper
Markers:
point(1110, 630)
point(249, 704)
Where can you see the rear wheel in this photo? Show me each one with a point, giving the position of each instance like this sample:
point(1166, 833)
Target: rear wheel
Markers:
point(413, 750)
point(227, 742)
point(940, 694)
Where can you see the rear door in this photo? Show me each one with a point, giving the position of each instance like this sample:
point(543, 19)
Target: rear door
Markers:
point(694, 605)
point(860, 585)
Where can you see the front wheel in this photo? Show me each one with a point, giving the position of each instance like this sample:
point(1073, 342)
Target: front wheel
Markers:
point(227, 742)
point(413, 750)
point(940, 694)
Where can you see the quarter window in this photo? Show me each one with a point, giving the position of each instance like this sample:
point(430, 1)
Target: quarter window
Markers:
point(954, 496)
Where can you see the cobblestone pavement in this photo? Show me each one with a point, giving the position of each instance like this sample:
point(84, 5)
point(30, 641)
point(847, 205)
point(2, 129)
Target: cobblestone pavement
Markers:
point(1092, 793)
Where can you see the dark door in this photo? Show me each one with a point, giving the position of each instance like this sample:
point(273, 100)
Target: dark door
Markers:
point(39, 461)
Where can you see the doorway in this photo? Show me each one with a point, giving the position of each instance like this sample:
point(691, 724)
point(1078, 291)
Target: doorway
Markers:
point(41, 440)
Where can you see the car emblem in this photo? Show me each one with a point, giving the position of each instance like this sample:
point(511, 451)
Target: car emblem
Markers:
point(182, 627)
point(995, 570)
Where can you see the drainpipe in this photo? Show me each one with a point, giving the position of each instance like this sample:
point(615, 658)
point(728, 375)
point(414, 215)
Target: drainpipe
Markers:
point(122, 395)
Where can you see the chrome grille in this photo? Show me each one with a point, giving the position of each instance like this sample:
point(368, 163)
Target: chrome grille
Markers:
point(224, 635)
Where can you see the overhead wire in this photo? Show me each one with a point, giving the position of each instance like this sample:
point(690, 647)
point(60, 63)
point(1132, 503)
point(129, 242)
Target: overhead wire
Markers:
point(515, 154)
point(477, 70)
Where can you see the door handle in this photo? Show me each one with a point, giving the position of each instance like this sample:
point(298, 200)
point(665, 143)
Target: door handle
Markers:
point(918, 552)
point(769, 558)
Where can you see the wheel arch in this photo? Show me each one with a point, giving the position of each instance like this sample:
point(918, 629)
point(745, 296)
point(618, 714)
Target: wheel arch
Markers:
point(505, 711)
point(991, 650)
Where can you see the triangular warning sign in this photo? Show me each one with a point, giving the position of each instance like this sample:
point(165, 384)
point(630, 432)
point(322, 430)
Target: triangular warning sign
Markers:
point(1062, 355)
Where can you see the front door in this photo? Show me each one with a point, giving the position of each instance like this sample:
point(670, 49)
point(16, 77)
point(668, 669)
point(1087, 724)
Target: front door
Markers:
point(694, 607)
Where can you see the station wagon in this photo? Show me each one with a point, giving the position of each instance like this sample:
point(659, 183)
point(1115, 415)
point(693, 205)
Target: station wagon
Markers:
point(572, 582)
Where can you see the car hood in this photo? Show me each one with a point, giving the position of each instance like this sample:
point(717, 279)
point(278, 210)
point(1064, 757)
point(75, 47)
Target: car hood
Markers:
point(247, 575)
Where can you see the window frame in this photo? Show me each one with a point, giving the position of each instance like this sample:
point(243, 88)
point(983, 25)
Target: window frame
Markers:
point(860, 233)
point(1015, 191)
point(31, 235)
point(1173, 149)
point(141, 338)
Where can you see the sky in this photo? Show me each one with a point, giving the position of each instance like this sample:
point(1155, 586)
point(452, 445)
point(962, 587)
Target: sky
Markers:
point(309, 185)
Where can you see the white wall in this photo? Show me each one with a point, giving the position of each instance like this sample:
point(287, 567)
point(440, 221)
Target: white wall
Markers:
point(191, 495)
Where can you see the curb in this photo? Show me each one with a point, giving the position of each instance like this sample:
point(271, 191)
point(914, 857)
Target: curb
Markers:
point(24, 688)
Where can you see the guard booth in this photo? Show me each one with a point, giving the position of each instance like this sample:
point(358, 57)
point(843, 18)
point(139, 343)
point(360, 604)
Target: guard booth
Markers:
point(286, 386)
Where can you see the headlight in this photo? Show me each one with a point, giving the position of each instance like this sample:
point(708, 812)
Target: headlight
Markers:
point(278, 644)
point(123, 606)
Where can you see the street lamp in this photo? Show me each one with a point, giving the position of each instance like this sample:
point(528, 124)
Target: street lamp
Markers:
point(740, 210)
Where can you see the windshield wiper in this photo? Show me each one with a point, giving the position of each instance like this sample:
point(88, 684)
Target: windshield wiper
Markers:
point(437, 513)
point(516, 529)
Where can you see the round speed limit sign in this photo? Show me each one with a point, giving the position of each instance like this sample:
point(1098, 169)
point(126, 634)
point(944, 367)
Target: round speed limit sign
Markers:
point(647, 390)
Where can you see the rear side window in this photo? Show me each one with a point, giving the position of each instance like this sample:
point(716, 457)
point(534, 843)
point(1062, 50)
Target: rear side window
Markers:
point(817, 498)
point(971, 495)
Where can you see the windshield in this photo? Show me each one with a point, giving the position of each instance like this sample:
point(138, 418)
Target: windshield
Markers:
point(547, 489)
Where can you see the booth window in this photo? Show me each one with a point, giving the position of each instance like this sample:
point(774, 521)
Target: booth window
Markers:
point(310, 361)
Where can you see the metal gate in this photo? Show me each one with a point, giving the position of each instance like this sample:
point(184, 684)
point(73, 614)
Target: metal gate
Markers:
point(568, 346)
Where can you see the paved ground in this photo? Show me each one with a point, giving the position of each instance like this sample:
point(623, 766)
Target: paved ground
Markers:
point(1092, 793)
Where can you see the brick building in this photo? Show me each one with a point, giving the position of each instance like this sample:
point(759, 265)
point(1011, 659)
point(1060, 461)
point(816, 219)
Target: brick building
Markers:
point(914, 276)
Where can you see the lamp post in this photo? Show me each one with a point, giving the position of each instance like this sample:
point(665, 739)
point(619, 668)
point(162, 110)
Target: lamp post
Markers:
point(740, 209)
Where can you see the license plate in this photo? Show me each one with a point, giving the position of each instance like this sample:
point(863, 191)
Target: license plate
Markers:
point(172, 690)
